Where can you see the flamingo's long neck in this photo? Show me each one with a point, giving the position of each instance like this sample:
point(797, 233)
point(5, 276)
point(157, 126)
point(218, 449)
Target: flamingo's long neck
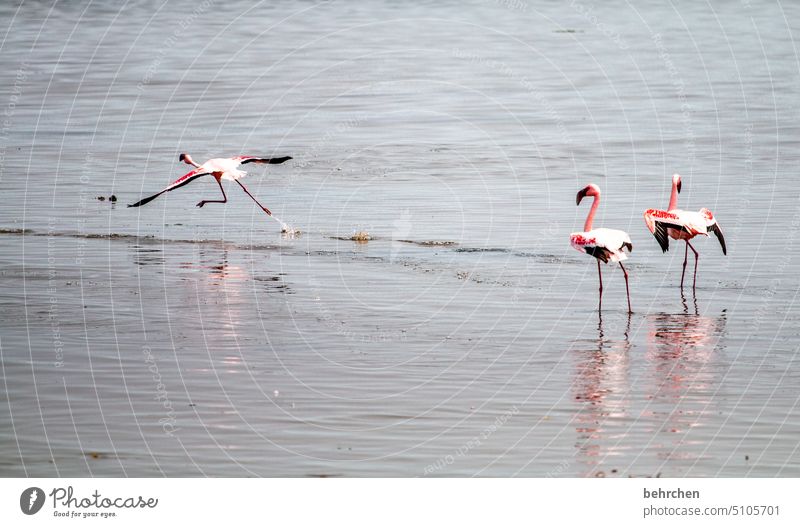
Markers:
point(590, 218)
point(673, 198)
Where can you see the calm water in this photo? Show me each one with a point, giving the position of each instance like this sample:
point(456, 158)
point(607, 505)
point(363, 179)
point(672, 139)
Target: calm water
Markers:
point(463, 339)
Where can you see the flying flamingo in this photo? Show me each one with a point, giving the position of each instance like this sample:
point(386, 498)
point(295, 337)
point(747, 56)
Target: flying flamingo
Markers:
point(220, 168)
point(604, 244)
point(682, 225)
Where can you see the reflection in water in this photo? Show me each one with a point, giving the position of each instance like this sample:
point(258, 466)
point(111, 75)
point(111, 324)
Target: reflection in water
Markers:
point(682, 351)
point(663, 397)
point(218, 293)
point(601, 384)
point(147, 255)
point(686, 304)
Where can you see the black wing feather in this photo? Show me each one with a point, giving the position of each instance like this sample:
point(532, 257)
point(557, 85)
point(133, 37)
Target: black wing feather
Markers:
point(268, 160)
point(661, 233)
point(601, 253)
point(146, 200)
point(186, 181)
point(718, 232)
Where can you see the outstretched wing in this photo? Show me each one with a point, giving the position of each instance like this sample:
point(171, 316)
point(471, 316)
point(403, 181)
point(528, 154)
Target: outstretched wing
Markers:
point(658, 221)
point(181, 181)
point(713, 226)
point(243, 160)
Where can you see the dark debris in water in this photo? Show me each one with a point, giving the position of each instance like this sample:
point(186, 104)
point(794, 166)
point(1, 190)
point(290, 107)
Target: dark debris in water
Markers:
point(139, 238)
point(430, 243)
point(481, 250)
point(16, 231)
point(98, 455)
point(360, 237)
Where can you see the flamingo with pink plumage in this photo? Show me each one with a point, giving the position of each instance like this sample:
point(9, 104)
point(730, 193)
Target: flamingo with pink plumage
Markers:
point(606, 245)
point(682, 225)
point(220, 168)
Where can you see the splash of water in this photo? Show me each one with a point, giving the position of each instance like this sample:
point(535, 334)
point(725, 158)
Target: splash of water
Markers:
point(285, 227)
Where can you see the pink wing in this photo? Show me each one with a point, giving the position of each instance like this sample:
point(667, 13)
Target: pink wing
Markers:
point(658, 221)
point(181, 181)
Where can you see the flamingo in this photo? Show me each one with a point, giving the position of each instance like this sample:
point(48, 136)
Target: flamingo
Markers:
point(682, 225)
point(607, 245)
point(221, 168)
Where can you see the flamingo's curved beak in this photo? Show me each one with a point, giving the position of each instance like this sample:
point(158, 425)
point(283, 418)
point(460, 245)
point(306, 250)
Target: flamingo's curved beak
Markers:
point(679, 186)
point(581, 195)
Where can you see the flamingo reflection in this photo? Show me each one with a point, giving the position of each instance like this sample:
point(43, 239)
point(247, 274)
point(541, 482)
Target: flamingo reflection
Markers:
point(682, 350)
point(602, 387)
point(217, 292)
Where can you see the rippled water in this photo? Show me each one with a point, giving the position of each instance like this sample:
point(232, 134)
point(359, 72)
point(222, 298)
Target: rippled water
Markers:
point(463, 337)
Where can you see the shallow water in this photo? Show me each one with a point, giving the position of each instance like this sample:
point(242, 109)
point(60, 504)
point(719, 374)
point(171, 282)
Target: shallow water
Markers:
point(463, 338)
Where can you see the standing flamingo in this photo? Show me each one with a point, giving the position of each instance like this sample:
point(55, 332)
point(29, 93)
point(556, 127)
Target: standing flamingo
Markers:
point(220, 168)
point(604, 244)
point(682, 225)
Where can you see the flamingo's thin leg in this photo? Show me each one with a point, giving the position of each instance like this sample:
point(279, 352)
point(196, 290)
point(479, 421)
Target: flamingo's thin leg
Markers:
point(685, 258)
point(600, 275)
point(265, 209)
point(223, 200)
point(627, 291)
point(696, 256)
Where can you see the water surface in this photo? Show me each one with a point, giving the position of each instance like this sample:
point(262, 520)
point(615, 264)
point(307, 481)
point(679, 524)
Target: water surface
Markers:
point(463, 339)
